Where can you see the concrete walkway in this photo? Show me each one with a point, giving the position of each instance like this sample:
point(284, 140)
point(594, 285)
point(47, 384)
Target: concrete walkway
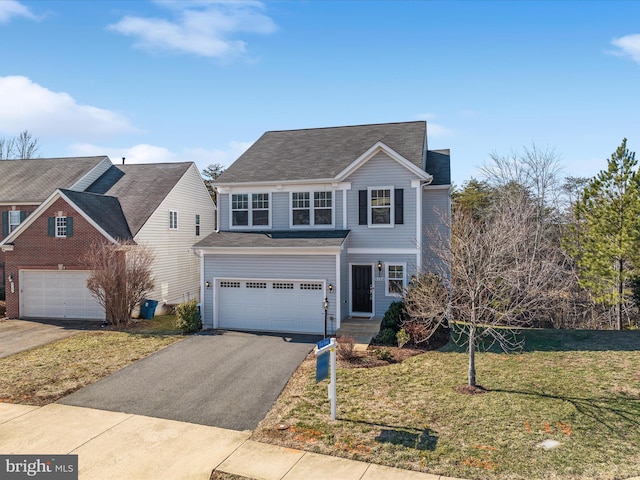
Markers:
point(361, 330)
point(121, 445)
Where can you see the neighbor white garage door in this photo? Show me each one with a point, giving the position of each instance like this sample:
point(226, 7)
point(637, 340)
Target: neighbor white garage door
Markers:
point(57, 294)
point(271, 305)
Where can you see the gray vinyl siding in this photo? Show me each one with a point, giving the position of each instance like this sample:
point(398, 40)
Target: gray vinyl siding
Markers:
point(345, 287)
point(223, 211)
point(381, 300)
point(280, 210)
point(291, 267)
point(436, 205)
point(86, 181)
point(381, 171)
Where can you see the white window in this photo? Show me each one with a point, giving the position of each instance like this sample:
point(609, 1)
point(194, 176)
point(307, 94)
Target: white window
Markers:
point(380, 206)
point(250, 214)
point(311, 208)
point(14, 220)
point(61, 227)
point(395, 279)
point(197, 225)
point(173, 220)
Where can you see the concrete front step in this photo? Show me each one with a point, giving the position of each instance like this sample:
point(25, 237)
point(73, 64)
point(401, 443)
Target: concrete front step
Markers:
point(361, 330)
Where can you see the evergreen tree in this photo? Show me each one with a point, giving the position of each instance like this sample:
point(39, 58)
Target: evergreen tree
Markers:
point(605, 241)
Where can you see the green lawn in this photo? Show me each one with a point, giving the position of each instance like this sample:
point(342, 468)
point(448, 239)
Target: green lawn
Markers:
point(579, 388)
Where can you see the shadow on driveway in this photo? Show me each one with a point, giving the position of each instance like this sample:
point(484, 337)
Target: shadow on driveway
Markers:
point(222, 379)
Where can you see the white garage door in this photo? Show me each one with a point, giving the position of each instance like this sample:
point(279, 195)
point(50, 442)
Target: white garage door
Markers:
point(57, 294)
point(271, 305)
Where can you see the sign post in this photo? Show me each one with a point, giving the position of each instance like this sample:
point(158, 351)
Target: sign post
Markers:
point(327, 346)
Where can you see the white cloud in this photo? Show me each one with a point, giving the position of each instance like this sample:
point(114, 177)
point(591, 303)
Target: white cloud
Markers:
point(12, 8)
point(204, 28)
point(629, 45)
point(27, 105)
point(144, 153)
point(434, 130)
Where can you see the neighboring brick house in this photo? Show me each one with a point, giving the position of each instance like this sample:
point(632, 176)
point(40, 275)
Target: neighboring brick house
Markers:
point(327, 213)
point(165, 206)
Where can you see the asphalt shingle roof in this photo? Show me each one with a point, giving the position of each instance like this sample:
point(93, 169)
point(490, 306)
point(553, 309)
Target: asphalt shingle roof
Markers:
point(35, 179)
point(274, 239)
point(104, 210)
point(322, 152)
point(139, 188)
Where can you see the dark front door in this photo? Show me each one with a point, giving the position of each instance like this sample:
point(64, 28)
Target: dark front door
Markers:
point(361, 290)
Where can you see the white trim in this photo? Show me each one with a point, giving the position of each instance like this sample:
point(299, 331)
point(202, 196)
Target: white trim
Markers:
point(33, 204)
point(386, 277)
point(203, 289)
point(333, 250)
point(419, 226)
point(373, 291)
point(338, 291)
point(175, 223)
point(428, 186)
point(250, 225)
point(374, 150)
point(46, 204)
point(344, 209)
point(392, 206)
point(312, 208)
point(383, 251)
point(282, 186)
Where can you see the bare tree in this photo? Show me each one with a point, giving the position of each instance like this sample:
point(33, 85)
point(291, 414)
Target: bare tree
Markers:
point(22, 146)
point(120, 278)
point(499, 276)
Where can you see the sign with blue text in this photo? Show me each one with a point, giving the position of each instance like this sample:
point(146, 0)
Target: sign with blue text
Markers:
point(322, 361)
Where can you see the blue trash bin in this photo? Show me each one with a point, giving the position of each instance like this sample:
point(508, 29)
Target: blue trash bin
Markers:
point(148, 309)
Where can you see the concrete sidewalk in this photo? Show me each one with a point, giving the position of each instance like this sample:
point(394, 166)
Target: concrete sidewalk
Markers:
point(121, 445)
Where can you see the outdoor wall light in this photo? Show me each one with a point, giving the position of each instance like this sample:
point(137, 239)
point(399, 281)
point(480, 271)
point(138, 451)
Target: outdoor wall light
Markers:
point(379, 266)
point(207, 284)
point(330, 287)
point(10, 278)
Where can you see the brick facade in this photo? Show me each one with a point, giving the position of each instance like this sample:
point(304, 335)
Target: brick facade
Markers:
point(7, 208)
point(34, 249)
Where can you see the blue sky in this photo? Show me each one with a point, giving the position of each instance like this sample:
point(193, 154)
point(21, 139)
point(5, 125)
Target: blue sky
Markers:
point(202, 80)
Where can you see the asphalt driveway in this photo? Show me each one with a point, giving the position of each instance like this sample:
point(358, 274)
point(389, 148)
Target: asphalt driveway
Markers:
point(227, 380)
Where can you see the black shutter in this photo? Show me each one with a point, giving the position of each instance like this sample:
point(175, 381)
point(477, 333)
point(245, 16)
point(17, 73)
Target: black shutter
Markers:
point(363, 207)
point(69, 226)
point(399, 206)
point(5, 224)
point(23, 215)
point(51, 230)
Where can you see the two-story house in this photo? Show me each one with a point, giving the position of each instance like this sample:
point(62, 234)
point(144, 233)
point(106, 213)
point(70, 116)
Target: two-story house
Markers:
point(74, 202)
point(321, 218)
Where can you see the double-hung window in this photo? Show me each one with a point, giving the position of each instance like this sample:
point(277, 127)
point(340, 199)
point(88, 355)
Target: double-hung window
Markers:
point(395, 279)
point(61, 227)
point(173, 220)
point(14, 220)
point(250, 210)
point(380, 206)
point(311, 208)
point(197, 225)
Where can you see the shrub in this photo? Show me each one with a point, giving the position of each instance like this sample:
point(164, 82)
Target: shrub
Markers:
point(187, 317)
point(386, 336)
point(403, 337)
point(345, 349)
point(383, 354)
point(394, 316)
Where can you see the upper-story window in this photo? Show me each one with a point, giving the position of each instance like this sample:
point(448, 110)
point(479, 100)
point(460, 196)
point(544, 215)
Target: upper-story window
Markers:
point(14, 220)
point(173, 220)
point(381, 207)
point(61, 226)
point(250, 213)
point(311, 208)
point(197, 225)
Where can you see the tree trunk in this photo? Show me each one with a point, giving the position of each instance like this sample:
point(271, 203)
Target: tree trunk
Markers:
point(472, 355)
point(620, 292)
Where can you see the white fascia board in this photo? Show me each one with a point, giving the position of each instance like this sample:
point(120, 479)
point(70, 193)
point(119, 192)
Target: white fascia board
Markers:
point(374, 150)
point(436, 187)
point(382, 251)
point(18, 204)
point(298, 185)
point(268, 251)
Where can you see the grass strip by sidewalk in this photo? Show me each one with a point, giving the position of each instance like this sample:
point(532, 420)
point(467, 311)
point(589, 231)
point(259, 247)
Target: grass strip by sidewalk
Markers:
point(47, 373)
point(581, 389)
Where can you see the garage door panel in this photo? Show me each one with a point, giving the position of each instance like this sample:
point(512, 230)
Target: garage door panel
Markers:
point(273, 305)
point(57, 294)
